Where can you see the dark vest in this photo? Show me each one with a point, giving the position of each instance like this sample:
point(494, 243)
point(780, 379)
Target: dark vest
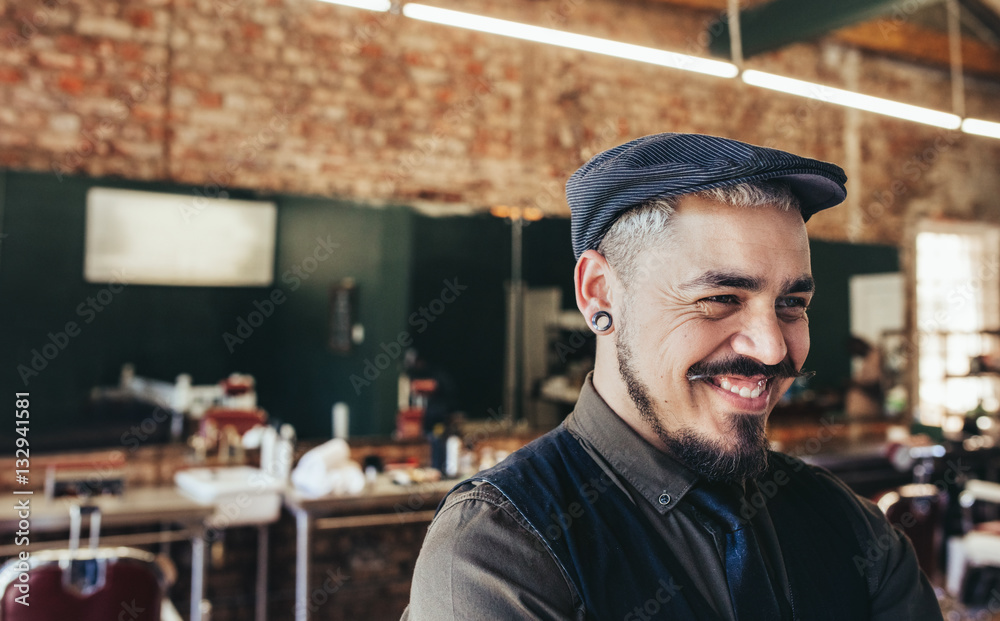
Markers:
point(621, 568)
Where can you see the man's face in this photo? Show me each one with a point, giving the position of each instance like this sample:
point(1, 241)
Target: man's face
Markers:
point(722, 298)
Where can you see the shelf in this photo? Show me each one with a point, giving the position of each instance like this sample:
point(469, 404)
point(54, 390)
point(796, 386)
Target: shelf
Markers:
point(979, 374)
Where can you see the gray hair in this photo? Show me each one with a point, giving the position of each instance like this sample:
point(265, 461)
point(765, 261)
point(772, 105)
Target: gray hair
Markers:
point(648, 224)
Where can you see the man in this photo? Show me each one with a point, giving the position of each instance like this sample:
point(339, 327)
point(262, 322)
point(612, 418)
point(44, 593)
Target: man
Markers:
point(658, 498)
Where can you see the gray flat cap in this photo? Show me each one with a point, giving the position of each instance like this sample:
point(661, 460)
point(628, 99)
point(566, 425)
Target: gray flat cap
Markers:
point(663, 165)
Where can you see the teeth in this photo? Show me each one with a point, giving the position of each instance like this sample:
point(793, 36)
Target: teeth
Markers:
point(744, 392)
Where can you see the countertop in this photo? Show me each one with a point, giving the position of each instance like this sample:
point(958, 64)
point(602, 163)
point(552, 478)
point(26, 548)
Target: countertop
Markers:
point(383, 496)
point(140, 505)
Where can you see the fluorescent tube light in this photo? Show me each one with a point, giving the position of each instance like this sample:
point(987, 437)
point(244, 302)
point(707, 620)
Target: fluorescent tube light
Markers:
point(570, 40)
point(371, 5)
point(982, 128)
point(686, 62)
point(852, 100)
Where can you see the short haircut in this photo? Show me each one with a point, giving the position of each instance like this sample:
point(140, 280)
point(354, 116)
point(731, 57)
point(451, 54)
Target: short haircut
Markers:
point(649, 224)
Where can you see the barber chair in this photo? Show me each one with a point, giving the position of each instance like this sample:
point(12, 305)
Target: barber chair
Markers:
point(918, 510)
point(973, 573)
point(95, 584)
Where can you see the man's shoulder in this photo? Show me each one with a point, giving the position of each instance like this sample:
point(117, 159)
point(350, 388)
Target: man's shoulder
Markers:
point(486, 552)
point(542, 463)
point(472, 492)
point(476, 505)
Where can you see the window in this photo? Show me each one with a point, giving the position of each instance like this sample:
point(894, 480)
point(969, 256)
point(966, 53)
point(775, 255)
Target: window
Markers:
point(958, 319)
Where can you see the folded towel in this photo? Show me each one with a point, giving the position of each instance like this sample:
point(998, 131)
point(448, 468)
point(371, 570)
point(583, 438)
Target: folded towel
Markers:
point(326, 456)
point(328, 469)
point(347, 479)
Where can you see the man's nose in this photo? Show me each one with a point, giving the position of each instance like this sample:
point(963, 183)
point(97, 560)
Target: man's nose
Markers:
point(761, 338)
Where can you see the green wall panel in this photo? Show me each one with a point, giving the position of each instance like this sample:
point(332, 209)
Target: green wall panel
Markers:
point(830, 313)
point(165, 331)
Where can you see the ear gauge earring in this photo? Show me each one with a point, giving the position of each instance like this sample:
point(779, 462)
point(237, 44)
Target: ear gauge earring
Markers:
point(601, 320)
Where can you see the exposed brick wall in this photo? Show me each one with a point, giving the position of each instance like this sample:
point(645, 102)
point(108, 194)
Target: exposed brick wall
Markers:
point(304, 97)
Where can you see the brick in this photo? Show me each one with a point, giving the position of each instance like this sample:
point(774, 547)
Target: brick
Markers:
point(10, 75)
point(182, 97)
point(13, 56)
point(274, 34)
point(141, 18)
point(72, 44)
point(60, 17)
point(14, 139)
point(66, 123)
point(71, 84)
point(153, 112)
point(140, 150)
point(215, 119)
point(252, 31)
point(131, 51)
point(60, 143)
point(99, 26)
point(235, 101)
point(209, 41)
point(371, 50)
point(56, 60)
point(210, 100)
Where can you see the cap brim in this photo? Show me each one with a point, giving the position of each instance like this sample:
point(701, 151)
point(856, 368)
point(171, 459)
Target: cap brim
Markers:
point(815, 192)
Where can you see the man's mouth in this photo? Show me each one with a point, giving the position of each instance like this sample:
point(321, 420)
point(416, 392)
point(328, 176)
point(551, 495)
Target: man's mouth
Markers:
point(746, 387)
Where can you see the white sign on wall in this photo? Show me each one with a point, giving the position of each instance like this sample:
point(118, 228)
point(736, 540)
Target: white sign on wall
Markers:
point(175, 239)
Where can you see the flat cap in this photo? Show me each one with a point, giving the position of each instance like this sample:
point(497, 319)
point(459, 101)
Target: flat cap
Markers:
point(663, 165)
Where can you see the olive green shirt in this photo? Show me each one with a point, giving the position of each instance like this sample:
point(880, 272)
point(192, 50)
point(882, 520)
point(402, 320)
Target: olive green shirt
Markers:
point(481, 560)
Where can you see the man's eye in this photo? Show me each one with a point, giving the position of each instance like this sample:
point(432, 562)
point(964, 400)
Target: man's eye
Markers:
point(723, 299)
point(793, 303)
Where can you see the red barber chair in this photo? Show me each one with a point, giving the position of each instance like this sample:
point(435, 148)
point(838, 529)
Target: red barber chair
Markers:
point(96, 584)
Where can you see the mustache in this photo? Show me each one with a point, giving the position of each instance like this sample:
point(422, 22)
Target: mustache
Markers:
point(747, 367)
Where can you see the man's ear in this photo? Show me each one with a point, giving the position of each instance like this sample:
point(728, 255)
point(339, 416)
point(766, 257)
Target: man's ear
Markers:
point(594, 283)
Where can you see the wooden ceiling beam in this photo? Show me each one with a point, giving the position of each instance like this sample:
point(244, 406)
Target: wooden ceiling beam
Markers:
point(892, 37)
point(907, 41)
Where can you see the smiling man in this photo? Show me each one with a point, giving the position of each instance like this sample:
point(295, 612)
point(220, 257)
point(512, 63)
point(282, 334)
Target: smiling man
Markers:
point(658, 497)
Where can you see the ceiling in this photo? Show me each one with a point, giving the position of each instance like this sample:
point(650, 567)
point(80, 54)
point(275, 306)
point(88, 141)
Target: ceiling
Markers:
point(890, 27)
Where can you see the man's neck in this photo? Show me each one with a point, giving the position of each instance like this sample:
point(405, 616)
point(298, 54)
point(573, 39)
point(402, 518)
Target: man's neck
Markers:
point(609, 385)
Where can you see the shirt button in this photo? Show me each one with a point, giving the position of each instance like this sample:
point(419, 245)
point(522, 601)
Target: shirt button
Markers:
point(664, 499)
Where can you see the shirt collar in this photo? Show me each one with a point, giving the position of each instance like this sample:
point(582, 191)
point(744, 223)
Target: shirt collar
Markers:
point(657, 476)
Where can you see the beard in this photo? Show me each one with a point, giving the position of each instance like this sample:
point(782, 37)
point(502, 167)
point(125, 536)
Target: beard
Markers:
point(741, 457)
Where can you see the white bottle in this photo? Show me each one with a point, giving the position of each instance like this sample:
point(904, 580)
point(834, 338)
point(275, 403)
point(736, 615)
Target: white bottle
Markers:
point(341, 420)
point(284, 453)
point(452, 453)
